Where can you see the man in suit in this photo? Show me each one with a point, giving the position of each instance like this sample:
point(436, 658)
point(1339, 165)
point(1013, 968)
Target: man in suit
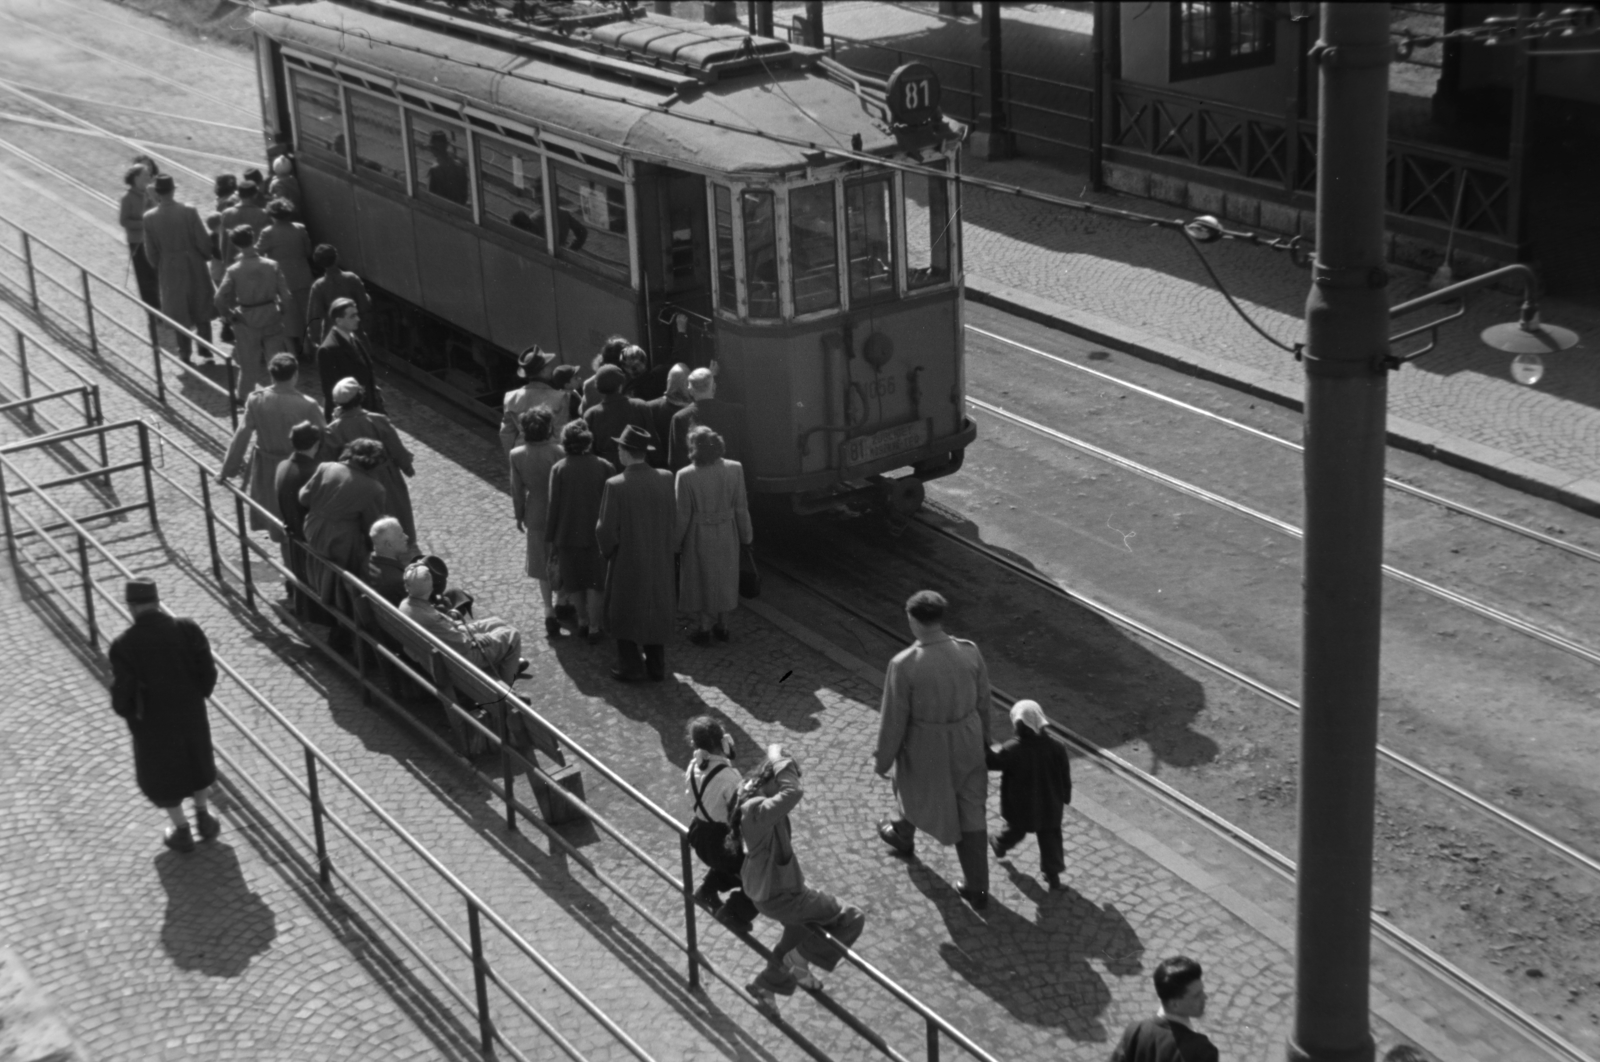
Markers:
point(638, 515)
point(178, 247)
point(330, 286)
point(251, 298)
point(162, 674)
point(724, 418)
point(1168, 1036)
point(292, 473)
point(344, 354)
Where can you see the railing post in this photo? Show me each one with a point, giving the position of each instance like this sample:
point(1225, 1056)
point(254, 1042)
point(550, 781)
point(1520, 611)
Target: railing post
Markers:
point(155, 357)
point(27, 258)
point(480, 978)
point(233, 391)
point(933, 1041)
point(211, 526)
point(88, 312)
point(27, 380)
point(690, 928)
point(323, 864)
point(97, 417)
point(88, 592)
point(5, 514)
point(506, 773)
point(149, 480)
point(244, 553)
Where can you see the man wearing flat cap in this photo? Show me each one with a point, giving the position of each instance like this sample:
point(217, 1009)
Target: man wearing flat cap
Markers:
point(250, 298)
point(615, 412)
point(344, 355)
point(178, 247)
point(638, 515)
point(162, 674)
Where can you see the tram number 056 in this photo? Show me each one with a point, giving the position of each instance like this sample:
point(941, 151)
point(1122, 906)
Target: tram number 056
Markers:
point(913, 94)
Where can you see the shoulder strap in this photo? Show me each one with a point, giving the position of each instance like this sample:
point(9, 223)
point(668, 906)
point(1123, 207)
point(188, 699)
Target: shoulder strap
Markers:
point(699, 791)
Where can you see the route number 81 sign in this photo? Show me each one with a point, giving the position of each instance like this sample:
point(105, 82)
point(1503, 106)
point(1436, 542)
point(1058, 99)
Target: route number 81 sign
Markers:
point(913, 94)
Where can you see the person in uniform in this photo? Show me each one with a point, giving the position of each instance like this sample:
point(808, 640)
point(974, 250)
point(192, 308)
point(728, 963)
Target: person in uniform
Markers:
point(713, 522)
point(270, 415)
point(351, 422)
point(638, 516)
point(531, 464)
point(285, 242)
point(251, 298)
point(342, 499)
point(136, 202)
point(725, 418)
point(293, 473)
point(531, 366)
point(178, 247)
point(615, 412)
point(577, 483)
point(492, 643)
point(933, 732)
point(246, 210)
point(344, 355)
point(162, 673)
point(1169, 1036)
point(331, 285)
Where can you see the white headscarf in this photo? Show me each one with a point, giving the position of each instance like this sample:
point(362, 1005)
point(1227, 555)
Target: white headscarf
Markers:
point(1030, 713)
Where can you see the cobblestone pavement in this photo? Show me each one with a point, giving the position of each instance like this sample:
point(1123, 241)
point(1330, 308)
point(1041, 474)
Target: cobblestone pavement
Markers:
point(1035, 976)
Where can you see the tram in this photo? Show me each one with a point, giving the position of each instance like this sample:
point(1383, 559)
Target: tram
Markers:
point(557, 173)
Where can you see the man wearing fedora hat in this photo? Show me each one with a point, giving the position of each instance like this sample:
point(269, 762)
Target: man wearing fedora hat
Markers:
point(532, 365)
point(178, 246)
point(638, 514)
point(162, 674)
point(344, 354)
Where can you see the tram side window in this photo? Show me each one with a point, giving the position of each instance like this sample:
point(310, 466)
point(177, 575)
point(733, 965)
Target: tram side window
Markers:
point(927, 229)
point(727, 283)
point(318, 118)
point(599, 205)
point(869, 232)
point(814, 248)
point(439, 159)
point(511, 188)
point(760, 253)
point(375, 129)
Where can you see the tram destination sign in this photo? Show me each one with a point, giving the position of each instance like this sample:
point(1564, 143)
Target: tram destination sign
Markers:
point(886, 443)
point(913, 94)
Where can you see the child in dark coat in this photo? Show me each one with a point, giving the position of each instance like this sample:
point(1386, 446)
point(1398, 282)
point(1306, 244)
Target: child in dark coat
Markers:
point(1035, 786)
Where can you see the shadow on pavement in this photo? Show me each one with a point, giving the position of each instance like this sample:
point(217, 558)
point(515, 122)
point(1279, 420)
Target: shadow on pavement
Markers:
point(215, 922)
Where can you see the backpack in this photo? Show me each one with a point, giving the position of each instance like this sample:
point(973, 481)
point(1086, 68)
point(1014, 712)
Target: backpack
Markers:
point(709, 838)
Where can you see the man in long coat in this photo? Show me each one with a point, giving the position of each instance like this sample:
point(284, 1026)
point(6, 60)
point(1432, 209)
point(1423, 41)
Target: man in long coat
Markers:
point(724, 418)
point(293, 473)
point(251, 297)
point(342, 499)
point(638, 514)
point(178, 247)
point(933, 730)
point(162, 674)
point(344, 355)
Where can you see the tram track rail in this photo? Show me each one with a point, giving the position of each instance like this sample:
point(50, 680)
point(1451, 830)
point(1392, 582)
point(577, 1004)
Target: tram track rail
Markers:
point(1509, 1013)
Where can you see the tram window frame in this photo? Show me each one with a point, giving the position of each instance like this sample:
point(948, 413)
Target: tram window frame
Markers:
point(358, 164)
point(534, 173)
point(802, 310)
point(312, 150)
point(891, 212)
point(725, 251)
point(620, 270)
point(942, 184)
point(462, 150)
point(768, 309)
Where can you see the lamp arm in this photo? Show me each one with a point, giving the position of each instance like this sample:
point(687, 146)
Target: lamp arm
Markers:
point(1530, 290)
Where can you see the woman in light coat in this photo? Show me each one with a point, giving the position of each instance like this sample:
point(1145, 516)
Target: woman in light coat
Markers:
point(531, 464)
point(534, 365)
point(713, 522)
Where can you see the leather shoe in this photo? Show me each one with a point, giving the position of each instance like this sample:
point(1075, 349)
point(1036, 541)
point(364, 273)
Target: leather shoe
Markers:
point(179, 839)
point(627, 676)
point(977, 900)
point(209, 825)
point(552, 627)
point(522, 666)
point(891, 837)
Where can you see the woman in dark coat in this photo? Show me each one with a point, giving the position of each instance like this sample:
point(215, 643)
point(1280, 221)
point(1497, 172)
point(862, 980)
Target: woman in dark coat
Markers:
point(342, 500)
point(577, 483)
point(1035, 787)
point(162, 674)
point(352, 421)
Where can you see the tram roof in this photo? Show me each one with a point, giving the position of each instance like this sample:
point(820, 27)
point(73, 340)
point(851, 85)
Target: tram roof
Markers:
point(796, 104)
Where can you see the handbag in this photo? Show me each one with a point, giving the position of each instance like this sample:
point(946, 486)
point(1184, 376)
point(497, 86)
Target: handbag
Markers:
point(749, 574)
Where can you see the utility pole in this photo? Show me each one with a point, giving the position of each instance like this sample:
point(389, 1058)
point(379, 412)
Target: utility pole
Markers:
point(1347, 322)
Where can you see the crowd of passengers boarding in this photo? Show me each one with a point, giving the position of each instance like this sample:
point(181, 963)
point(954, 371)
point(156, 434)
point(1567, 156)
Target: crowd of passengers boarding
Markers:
point(626, 483)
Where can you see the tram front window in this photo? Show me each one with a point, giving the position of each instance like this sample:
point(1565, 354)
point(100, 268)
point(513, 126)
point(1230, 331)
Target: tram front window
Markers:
point(814, 248)
point(927, 229)
point(869, 233)
point(760, 253)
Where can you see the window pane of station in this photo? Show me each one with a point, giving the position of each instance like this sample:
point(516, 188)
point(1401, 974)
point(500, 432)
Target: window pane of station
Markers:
point(600, 206)
point(761, 253)
point(438, 158)
point(318, 118)
point(869, 232)
point(814, 248)
point(379, 147)
point(727, 285)
point(511, 188)
point(927, 229)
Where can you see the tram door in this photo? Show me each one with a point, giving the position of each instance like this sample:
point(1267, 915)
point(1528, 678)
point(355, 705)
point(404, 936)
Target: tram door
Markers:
point(675, 252)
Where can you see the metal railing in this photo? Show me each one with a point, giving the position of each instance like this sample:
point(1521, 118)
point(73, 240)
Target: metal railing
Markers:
point(318, 767)
point(91, 321)
point(22, 403)
point(371, 652)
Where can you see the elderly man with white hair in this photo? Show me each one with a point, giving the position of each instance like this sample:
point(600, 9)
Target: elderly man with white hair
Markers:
point(391, 553)
point(724, 418)
point(492, 643)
